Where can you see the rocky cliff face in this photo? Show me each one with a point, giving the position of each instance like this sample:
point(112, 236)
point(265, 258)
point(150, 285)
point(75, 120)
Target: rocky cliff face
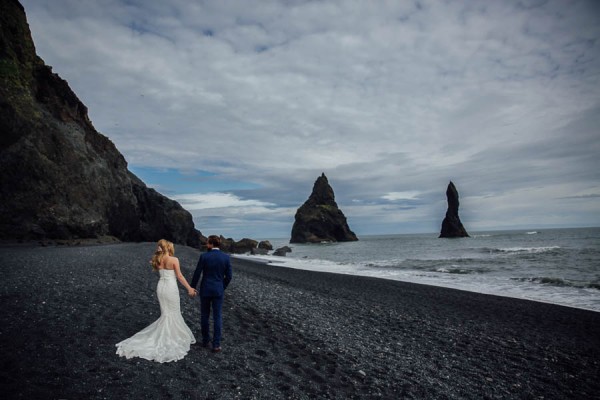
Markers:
point(61, 179)
point(319, 219)
point(451, 225)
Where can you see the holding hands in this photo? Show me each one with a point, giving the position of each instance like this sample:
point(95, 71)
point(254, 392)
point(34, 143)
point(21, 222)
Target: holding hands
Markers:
point(192, 292)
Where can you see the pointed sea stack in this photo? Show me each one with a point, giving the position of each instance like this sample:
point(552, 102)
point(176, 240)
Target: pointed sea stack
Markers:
point(61, 179)
point(451, 226)
point(319, 219)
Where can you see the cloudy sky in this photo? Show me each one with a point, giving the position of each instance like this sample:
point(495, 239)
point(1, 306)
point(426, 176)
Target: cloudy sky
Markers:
point(234, 108)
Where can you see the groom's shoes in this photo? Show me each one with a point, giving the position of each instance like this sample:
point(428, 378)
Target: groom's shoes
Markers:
point(216, 350)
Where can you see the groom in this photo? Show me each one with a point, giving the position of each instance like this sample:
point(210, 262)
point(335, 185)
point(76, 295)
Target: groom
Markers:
point(215, 268)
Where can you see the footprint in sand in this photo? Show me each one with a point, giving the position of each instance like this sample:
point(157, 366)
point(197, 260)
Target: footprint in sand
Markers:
point(261, 353)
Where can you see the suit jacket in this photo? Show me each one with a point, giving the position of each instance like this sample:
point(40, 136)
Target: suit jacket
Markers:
point(215, 268)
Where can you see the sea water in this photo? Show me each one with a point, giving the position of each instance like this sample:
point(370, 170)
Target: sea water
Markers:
point(560, 266)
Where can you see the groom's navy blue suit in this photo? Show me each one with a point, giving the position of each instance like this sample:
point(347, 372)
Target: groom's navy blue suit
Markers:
point(215, 268)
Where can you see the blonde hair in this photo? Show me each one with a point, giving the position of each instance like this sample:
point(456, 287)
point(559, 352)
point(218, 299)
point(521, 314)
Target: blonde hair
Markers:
point(164, 248)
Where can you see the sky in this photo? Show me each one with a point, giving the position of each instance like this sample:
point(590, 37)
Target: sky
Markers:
point(235, 108)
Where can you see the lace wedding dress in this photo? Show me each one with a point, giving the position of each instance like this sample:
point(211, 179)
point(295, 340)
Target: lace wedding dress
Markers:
point(166, 339)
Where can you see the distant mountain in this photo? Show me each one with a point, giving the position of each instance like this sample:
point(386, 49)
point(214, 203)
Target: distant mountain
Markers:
point(319, 219)
point(61, 179)
point(451, 225)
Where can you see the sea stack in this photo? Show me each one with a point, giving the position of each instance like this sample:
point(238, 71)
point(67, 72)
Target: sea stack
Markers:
point(61, 179)
point(319, 219)
point(451, 226)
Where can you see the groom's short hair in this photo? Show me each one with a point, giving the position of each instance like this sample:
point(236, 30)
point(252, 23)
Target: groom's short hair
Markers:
point(214, 240)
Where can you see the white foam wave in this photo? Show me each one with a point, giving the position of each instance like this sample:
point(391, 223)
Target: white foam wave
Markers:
point(528, 249)
point(455, 269)
point(301, 263)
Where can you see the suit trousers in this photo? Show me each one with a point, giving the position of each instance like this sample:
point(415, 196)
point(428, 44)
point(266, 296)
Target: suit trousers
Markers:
point(216, 303)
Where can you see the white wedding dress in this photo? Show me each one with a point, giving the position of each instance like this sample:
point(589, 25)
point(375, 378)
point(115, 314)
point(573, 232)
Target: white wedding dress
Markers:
point(166, 339)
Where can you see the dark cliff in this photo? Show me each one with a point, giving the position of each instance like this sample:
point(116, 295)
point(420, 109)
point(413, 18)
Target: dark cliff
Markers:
point(319, 219)
point(451, 225)
point(61, 179)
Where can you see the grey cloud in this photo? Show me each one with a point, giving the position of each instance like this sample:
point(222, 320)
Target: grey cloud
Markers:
point(497, 96)
point(585, 196)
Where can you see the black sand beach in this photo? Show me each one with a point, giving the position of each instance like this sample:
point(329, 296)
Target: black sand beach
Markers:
point(287, 334)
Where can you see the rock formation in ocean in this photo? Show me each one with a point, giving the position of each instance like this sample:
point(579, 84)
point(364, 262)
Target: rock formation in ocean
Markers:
point(61, 179)
point(451, 225)
point(319, 219)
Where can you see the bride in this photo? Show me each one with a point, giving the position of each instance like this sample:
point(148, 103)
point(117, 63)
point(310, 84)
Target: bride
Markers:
point(168, 338)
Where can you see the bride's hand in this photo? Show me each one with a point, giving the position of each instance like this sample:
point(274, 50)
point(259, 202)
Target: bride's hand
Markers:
point(192, 292)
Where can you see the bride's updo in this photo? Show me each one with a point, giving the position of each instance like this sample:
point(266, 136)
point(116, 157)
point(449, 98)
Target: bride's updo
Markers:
point(164, 248)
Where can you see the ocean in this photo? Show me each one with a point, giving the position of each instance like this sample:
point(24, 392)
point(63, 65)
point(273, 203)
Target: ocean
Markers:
point(560, 266)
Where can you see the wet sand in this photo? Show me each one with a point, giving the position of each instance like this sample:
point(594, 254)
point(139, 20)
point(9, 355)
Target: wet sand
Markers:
point(287, 334)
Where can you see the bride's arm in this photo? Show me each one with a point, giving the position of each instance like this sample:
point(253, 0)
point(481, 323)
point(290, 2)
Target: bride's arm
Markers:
point(181, 278)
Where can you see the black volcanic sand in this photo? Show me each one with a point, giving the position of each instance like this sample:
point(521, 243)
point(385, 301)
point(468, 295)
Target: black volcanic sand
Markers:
point(287, 334)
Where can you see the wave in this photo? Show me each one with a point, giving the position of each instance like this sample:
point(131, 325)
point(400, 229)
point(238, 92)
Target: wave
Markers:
point(560, 282)
point(532, 233)
point(524, 249)
point(453, 265)
point(461, 271)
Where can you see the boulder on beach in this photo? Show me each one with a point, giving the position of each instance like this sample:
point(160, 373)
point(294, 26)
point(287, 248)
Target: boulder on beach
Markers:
point(265, 244)
point(62, 179)
point(257, 251)
point(319, 219)
point(282, 251)
point(451, 225)
point(245, 245)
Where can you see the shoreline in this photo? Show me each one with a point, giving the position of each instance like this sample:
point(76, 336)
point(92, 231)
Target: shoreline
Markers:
point(287, 334)
point(250, 262)
point(249, 258)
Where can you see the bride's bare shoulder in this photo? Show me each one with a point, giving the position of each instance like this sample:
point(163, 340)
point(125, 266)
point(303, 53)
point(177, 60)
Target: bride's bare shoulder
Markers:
point(171, 262)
